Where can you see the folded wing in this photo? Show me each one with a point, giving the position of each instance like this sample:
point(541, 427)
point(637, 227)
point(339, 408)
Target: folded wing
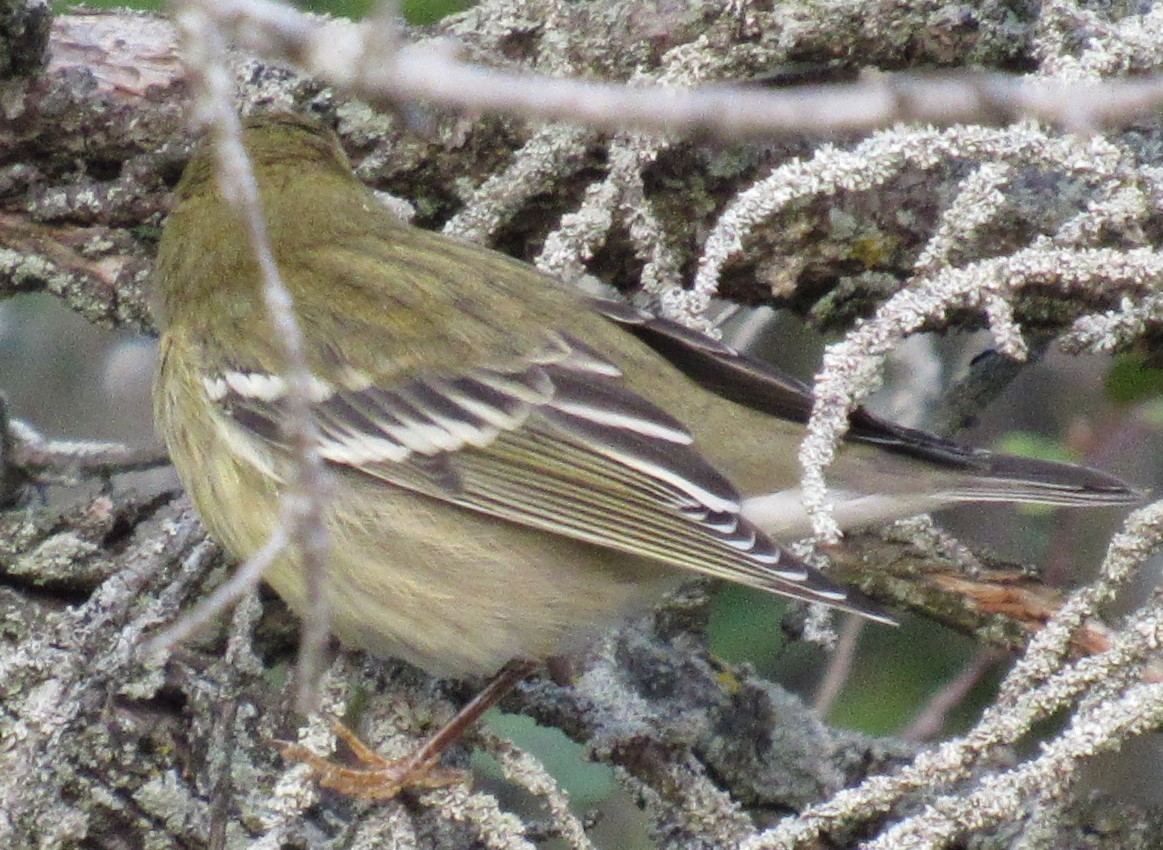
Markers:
point(554, 441)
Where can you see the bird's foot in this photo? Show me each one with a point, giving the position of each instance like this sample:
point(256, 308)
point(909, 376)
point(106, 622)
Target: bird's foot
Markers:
point(377, 778)
point(381, 778)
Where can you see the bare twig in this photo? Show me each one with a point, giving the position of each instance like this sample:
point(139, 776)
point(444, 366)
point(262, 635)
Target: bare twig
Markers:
point(305, 499)
point(387, 73)
point(241, 582)
point(839, 665)
point(931, 719)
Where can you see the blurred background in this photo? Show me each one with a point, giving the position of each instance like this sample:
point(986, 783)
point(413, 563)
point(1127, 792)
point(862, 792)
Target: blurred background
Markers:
point(418, 12)
point(69, 379)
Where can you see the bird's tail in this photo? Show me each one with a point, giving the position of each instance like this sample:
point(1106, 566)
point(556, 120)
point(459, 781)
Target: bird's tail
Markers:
point(871, 489)
point(986, 476)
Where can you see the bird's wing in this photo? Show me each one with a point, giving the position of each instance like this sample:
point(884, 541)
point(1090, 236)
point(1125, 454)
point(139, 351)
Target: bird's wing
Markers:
point(555, 441)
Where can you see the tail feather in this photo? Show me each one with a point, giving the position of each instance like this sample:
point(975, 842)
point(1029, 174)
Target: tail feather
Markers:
point(867, 491)
point(1008, 478)
point(990, 476)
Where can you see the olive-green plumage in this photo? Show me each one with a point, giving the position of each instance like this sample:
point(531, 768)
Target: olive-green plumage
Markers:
point(516, 467)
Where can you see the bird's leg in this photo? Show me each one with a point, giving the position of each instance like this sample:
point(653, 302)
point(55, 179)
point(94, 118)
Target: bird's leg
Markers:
point(378, 778)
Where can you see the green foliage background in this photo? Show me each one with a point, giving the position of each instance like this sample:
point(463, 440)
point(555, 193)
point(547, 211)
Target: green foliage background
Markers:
point(415, 11)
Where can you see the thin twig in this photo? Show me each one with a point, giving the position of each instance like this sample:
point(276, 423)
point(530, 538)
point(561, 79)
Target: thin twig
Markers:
point(368, 61)
point(242, 581)
point(304, 500)
point(840, 665)
point(932, 717)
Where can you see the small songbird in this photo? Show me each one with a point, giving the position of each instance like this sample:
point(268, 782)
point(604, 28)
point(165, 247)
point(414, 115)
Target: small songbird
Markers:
point(516, 467)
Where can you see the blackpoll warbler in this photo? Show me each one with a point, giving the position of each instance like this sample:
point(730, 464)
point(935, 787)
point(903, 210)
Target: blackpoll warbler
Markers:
point(516, 467)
